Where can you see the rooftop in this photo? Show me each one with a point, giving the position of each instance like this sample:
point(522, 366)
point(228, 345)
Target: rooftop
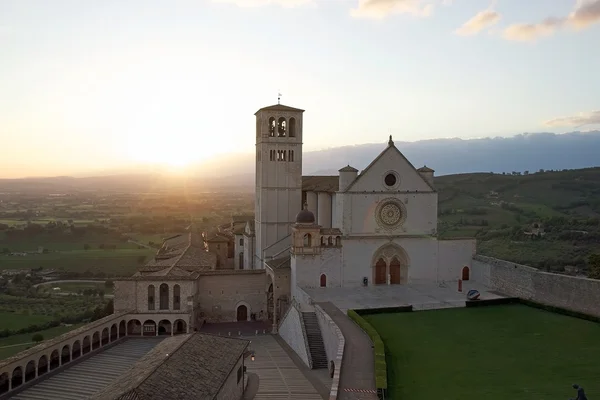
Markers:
point(279, 107)
point(317, 183)
point(279, 263)
point(180, 367)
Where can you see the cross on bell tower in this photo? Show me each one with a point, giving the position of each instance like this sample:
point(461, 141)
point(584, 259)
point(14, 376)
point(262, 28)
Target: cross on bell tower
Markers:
point(279, 97)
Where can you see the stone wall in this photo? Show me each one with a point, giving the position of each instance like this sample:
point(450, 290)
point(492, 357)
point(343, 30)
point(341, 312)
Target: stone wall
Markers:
point(292, 331)
point(232, 389)
point(334, 343)
point(568, 292)
point(310, 267)
point(132, 295)
point(220, 294)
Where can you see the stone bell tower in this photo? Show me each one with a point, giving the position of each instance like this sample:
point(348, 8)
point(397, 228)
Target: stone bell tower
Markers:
point(278, 178)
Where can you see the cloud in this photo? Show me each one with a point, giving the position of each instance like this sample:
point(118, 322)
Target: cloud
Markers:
point(531, 32)
point(590, 118)
point(261, 3)
point(482, 20)
point(586, 13)
point(382, 8)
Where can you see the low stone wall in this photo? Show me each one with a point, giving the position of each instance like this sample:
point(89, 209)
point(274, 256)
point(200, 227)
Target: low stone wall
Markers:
point(293, 332)
point(563, 291)
point(334, 347)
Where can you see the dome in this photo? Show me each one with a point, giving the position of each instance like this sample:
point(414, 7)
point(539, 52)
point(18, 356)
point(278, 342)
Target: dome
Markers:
point(305, 216)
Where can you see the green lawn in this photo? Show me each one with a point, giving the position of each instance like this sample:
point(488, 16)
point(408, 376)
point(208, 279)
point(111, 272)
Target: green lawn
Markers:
point(508, 352)
point(6, 352)
point(14, 321)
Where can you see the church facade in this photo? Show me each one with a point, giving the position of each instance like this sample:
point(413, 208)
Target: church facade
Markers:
point(376, 227)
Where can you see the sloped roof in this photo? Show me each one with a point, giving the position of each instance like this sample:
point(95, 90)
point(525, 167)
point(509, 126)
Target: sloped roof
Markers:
point(348, 168)
point(180, 367)
point(279, 107)
point(425, 168)
point(279, 263)
point(317, 183)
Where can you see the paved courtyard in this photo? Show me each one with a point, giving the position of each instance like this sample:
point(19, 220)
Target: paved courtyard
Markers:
point(422, 296)
point(279, 377)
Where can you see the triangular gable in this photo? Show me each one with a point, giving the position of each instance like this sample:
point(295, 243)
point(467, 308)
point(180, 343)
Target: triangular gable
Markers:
point(390, 159)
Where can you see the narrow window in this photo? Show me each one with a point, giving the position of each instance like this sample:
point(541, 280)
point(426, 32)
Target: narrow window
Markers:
point(329, 241)
point(292, 127)
point(151, 297)
point(281, 127)
point(164, 296)
point(176, 297)
point(307, 240)
point(272, 126)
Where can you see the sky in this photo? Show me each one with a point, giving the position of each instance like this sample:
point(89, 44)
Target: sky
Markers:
point(88, 85)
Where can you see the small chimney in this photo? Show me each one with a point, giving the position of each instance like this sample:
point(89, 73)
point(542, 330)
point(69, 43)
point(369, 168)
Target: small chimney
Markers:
point(427, 174)
point(347, 176)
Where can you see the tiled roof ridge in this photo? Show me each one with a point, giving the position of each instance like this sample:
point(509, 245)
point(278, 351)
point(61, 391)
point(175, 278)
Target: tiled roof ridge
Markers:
point(181, 255)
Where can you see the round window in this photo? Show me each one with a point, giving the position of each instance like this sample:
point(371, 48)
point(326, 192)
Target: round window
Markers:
point(390, 179)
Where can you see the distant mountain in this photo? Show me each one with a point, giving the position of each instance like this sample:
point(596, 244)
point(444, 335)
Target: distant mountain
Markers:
point(525, 152)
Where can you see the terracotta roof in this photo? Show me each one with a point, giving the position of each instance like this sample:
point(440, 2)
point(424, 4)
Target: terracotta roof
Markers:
point(425, 168)
point(316, 183)
point(242, 218)
point(348, 168)
point(216, 237)
point(279, 263)
point(192, 366)
point(279, 107)
point(239, 230)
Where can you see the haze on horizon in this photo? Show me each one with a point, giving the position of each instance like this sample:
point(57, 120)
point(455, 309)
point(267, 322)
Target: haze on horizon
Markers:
point(97, 85)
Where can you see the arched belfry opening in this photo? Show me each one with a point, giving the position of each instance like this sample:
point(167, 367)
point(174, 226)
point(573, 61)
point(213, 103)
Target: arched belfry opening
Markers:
point(272, 126)
point(390, 265)
point(282, 127)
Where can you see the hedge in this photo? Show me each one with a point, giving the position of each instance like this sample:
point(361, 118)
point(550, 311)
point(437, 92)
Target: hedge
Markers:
point(380, 364)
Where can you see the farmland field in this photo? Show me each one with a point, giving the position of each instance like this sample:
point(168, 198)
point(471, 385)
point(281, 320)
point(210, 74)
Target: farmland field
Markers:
point(13, 344)
point(15, 321)
point(497, 353)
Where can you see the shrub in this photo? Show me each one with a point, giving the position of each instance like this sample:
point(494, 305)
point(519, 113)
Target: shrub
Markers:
point(380, 364)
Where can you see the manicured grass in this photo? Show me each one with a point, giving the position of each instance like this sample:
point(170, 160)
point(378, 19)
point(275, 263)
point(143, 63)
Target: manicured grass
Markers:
point(6, 352)
point(14, 321)
point(508, 352)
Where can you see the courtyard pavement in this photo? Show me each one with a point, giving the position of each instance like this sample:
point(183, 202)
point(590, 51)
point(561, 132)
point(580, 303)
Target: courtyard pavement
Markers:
point(422, 296)
point(279, 376)
point(235, 329)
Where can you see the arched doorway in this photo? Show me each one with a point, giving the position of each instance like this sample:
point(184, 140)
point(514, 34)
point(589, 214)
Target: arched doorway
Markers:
point(323, 280)
point(465, 273)
point(395, 272)
point(270, 302)
point(242, 313)
point(380, 271)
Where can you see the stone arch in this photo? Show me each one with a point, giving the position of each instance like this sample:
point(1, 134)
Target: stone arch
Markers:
point(329, 241)
point(163, 292)
point(165, 327)
point(76, 350)
point(65, 354)
point(176, 297)
point(86, 345)
point(30, 371)
point(96, 340)
point(322, 240)
point(338, 241)
point(151, 297)
point(379, 272)
point(42, 367)
point(17, 377)
point(114, 332)
point(4, 382)
point(242, 309)
point(149, 328)
point(122, 328)
point(105, 336)
point(282, 127)
point(465, 273)
point(292, 127)
point(308, 240)
point(391, 253)
point(272, 126)
point(134, 327)
point(323, 280)
point(179, 326)
point(54, 360)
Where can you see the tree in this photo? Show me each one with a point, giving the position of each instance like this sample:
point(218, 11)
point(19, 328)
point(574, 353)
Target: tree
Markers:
point(109, 284)
point(594, 266)
point(86, 246)
point(38, 337)
point(101, 294)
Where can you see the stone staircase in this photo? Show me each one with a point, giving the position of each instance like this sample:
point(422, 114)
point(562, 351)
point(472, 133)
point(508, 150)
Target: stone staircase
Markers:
point(315, 340)
point(83, 379)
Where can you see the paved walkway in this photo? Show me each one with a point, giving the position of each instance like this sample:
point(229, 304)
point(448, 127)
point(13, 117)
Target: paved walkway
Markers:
point(279, 377)
point(422, 296)
point(357, 379)
point(244, 328)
